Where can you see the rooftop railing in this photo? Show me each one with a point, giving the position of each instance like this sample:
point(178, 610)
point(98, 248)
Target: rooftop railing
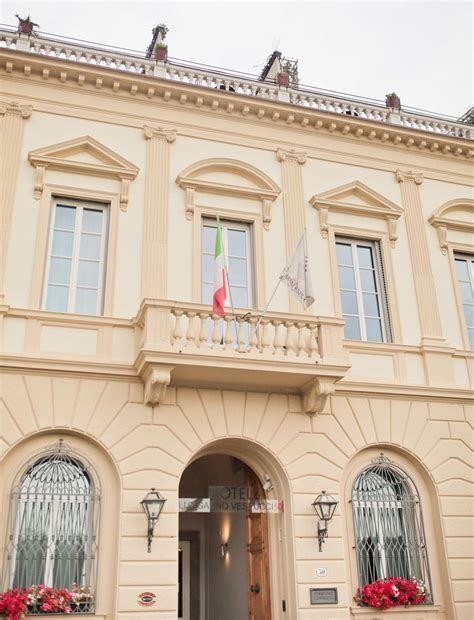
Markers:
point(136, 62)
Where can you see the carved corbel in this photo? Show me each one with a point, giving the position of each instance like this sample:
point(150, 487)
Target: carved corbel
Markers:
point(189, 203)
point(315, 395)
point(124, 188)
point(442, 231)
point(157, 378)
point(323, 221)
point(39, 182)
point(392, 230)
point(266, 213)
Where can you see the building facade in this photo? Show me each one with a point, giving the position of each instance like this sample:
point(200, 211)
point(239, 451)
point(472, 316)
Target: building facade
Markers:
point(117, 378)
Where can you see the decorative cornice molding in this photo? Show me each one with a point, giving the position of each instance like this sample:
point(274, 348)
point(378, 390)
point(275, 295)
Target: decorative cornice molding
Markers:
point(409, 175)
point(108, 164)
point(440, 220)
point(152, 88)
point(291, 155)
point(264, 188)
point(15, 109)
point(169, 135)
point(338, 199)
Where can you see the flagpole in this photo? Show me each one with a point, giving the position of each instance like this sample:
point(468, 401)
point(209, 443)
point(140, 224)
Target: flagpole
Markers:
point(230, 289)
point(267, 305)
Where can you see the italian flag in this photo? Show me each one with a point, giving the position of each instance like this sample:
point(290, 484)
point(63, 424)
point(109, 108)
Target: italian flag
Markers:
point(220, 292)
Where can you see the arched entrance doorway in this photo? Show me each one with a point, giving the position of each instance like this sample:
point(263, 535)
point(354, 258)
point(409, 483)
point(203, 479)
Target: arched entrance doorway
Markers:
point(235, 558)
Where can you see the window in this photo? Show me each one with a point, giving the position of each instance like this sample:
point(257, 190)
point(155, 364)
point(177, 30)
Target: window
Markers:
point(76, 257)
point(362, 288)
point(388, 525)
point(465, 272)
point(55, 510)
point(236, 238)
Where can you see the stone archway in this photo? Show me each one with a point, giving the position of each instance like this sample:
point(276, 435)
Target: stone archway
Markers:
point(259, 462)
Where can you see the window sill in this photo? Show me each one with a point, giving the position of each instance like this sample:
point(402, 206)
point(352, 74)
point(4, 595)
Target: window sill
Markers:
point(376, 614)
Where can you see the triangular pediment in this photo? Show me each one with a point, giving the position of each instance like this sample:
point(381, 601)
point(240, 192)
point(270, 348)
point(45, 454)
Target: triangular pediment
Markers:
point(356, 197)
point(84, 154)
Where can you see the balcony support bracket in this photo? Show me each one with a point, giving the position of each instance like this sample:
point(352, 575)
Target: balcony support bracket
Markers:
point(157, 378)
point(315, 394)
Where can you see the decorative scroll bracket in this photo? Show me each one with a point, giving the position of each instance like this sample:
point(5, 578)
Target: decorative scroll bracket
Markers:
point(316, 393)
point(157, 378)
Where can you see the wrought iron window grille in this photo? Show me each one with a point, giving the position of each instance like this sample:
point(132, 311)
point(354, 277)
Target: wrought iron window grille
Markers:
point(53, 526)
point(388, 526)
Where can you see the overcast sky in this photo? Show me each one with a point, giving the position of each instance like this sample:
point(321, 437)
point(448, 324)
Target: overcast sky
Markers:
point(422, 50)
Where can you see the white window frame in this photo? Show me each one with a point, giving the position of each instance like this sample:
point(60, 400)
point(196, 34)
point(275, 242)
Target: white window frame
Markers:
point(237, 225)
point(469, 258)
point(79, 205)
point(380, 284)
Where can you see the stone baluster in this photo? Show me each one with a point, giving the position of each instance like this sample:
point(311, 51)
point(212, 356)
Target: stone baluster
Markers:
point(216, 333)
point(301, 341)
point(190, 333)
point(228, 336)
point(203, 329)
point(253, 338)
point(265, 344)
point(289, 342)
point(277, 341)
point(313, 343)
point(241, 335)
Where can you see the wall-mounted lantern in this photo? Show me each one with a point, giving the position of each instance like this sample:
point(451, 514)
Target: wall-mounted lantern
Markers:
point(152, 505)
point(324, 506)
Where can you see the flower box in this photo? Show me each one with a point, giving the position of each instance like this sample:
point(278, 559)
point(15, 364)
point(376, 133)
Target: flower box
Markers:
point(392, 592)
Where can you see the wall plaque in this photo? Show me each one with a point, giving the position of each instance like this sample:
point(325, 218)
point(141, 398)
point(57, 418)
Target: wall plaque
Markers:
point(323, 596)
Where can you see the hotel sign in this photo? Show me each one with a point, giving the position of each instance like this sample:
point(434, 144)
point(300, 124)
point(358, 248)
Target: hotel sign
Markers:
point(229, 499)
point(323, 596)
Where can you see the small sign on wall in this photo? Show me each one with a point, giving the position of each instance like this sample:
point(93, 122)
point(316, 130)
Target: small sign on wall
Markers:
point(323, 596)
point(321, 572)
point(146, 599)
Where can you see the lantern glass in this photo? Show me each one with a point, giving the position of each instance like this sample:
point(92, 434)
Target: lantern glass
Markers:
point(153, 504)
point(325, 506)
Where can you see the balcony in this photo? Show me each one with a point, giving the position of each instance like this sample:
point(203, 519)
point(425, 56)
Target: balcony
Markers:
point(182, 344)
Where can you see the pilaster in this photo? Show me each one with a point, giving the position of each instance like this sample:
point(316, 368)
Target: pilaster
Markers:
point(155, 224)
point(12, 116)
point(438, 358)
point(293, 203)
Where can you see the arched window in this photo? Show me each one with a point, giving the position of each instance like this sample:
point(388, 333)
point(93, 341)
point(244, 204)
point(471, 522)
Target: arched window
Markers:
point(388, 524)
point(54, 522)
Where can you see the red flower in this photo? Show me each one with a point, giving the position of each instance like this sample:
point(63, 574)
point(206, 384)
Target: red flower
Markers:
point(391, 592)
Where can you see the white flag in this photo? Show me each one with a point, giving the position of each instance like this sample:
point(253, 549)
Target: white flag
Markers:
point(296, 275)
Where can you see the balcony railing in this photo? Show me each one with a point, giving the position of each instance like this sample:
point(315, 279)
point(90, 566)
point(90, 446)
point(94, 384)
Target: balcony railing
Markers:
point(135, 62)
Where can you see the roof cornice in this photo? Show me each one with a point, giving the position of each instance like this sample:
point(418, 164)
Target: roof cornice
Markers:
point(89, 77)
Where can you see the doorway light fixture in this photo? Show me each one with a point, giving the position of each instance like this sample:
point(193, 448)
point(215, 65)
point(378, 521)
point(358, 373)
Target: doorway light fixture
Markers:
point(324, 506)
point(152, 505)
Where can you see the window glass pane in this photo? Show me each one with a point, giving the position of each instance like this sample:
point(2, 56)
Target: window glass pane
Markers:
point(57, 298)
point(60, 270)
point(374, 330)
point(346, 278)
point(344, 253)
point(65, 217)
point(208, 239)
point(207, 291)
point(86, 301)
point(238, 271)
point(471, 338)
point(367, 280)
point(364, 255)
point(62, 243)
point(462, 269)
point(90, 246)
point(352, 328)
point(237, 240)
point(92, 220)
point(207, 268)
point(349, 303)
point(88, 273)
point(239, 297)
point(469, 314)
point(371, 304)
point(466, 292)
